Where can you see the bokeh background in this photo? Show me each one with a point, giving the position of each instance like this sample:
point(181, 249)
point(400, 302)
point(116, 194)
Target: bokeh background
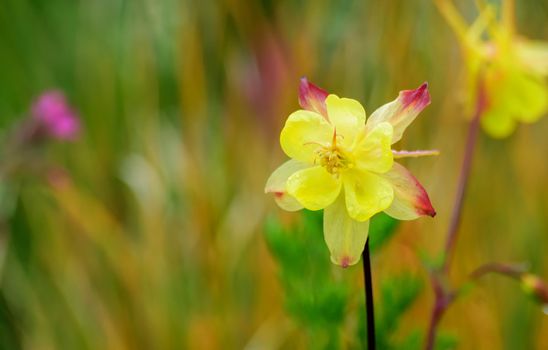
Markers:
point(147, 232)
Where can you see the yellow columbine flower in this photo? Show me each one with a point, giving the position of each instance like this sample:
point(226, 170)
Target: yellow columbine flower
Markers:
point(512, 69)
point(345, 165)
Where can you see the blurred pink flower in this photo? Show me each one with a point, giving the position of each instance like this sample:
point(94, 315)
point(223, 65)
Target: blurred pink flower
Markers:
point(54, 114)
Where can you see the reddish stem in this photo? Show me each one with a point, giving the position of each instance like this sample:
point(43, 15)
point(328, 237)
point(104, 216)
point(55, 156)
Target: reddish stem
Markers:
point(513, 271)
point(470, 146)
point(443, 296)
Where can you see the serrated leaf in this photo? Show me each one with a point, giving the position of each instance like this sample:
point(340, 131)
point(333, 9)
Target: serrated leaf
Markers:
point(396, 295)
point(305, 273)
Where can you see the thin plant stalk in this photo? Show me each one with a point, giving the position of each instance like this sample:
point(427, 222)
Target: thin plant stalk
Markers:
point(369, 311)
point(512, 271)
point(461, 189)
point(443, 296)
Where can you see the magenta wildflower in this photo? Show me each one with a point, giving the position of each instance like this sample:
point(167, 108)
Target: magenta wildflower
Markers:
point(55, 115)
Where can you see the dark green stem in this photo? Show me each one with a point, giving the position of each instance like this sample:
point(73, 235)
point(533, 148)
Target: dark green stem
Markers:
point(368, 281)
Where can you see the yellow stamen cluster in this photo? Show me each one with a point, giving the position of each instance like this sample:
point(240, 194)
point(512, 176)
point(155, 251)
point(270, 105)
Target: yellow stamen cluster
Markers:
point(332, 157)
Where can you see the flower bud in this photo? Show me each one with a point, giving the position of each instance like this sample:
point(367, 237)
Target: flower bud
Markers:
point(535, 287)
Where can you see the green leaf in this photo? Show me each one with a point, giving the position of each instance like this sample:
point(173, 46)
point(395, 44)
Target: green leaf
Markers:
point(432, 263)
point(396, 295)
point(445, 341)
point(381, 229)
point(413, 341)
point(312, 295)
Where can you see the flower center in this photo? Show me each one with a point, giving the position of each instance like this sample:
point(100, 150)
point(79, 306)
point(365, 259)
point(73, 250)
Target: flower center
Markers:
point(332, 157)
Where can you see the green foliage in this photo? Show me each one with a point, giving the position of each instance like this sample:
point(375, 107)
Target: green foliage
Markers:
point(446, 341)
point(315, 300)
point(381, 229)
point(305, 273)
point(9, 335)
point(432, 262)
point(396, 295)
point(311, 296)
point(415, 341)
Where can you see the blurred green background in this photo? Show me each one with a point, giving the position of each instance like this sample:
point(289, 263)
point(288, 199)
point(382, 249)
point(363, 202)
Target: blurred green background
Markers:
point(148, 231)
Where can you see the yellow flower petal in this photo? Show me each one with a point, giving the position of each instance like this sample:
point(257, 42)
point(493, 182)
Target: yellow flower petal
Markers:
point(301, 134)
point(514, 95)
point(534, 55)
point(366, 194)
point(498, 123)
point(344, 237)
point(530, 97)
point(276, 184)
point(410, 199)
point(402, 111)
point(314, 187)
point(347, 116)
point(374, 152)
